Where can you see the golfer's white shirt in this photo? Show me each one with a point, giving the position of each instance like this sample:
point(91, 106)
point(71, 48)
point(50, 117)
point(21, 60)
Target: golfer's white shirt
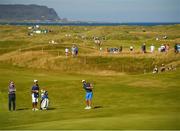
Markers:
point(152, 48)
point(66, 50)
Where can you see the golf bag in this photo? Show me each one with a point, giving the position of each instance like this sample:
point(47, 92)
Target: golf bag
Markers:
point(44, 100)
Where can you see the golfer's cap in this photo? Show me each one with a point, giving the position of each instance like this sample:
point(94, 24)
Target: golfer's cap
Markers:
point(35, 81)
point(42, 90)
point(83, 80)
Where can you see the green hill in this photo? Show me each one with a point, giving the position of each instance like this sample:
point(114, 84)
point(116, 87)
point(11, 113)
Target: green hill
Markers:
point(16, 12)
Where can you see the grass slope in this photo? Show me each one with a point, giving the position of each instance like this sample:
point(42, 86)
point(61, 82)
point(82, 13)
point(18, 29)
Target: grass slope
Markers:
point(17, 48)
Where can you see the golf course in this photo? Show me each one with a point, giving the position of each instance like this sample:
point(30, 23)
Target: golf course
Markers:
point(126, 94)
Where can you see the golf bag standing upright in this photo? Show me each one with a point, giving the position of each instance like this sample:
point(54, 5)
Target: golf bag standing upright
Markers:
point(44, 100)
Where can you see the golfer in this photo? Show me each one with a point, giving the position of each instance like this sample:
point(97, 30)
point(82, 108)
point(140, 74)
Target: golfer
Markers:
point(12, 95)
point(89, 94)
point(35, 95)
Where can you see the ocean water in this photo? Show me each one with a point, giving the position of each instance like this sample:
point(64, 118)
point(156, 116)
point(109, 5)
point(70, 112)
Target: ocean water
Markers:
point(85, 24)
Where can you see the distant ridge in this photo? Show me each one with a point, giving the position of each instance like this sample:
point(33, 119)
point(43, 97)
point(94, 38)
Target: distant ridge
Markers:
point(27, 13)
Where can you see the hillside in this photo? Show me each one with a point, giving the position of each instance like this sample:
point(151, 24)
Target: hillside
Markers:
point(36, 50)
point(27, 12)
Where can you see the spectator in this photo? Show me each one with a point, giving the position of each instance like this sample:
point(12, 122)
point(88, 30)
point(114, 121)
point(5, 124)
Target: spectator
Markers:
point(131, 48)
point(152, 48)
point(155, 70)
point(176, 48)
point(12, 95)
point(159, 49)
point(162, 69)
point(167, 47)
point(73, 50)
point(163, 48)
point(120, 48)
point(143, 47)
point(66, 51)
point(76, 51)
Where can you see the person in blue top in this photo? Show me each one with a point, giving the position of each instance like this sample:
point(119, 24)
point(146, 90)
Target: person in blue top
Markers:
point(89, 94)
point(35, 95)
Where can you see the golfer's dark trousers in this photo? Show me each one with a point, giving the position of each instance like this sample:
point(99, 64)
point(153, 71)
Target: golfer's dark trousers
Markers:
point(12, 101)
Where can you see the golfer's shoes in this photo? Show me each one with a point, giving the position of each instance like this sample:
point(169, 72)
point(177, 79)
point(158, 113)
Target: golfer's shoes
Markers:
point(35, 109)
point(87, 108)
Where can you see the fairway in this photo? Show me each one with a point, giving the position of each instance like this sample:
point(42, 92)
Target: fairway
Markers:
point(120, 102)
point(126, 94)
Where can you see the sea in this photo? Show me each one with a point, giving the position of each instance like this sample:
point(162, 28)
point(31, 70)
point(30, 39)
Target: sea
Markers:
point(86, 24)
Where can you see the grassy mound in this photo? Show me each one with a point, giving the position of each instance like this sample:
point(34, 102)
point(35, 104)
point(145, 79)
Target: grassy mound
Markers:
point(17, 48)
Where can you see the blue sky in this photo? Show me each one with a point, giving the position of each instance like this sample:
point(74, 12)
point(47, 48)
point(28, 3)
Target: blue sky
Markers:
point(111, 10)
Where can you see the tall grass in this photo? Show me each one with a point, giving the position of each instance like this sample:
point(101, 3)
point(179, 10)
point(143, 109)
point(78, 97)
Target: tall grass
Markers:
point(17, 48)
point(126, 63)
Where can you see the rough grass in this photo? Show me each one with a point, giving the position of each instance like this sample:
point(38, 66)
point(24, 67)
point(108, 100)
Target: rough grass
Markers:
point(52, 57)
point(55, 60)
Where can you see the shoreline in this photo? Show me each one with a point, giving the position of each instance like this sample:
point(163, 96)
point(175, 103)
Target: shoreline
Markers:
point(89, 23)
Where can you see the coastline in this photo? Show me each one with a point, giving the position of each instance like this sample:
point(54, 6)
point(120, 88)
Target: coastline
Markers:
point(89, 23)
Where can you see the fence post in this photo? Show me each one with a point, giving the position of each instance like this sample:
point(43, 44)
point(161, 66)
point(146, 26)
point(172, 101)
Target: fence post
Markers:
point(42, 50)
point(19, 50)
point(85, 59)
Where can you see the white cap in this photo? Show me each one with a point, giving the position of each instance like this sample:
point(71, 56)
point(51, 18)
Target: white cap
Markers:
point(35, 81)
point(83, 80)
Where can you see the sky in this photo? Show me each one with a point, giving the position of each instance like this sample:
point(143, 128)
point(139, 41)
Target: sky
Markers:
point(111, 10)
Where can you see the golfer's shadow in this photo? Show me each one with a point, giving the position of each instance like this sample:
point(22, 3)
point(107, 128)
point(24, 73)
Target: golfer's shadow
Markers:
point(97, 107)
point(51, 108)
point(22, 109)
